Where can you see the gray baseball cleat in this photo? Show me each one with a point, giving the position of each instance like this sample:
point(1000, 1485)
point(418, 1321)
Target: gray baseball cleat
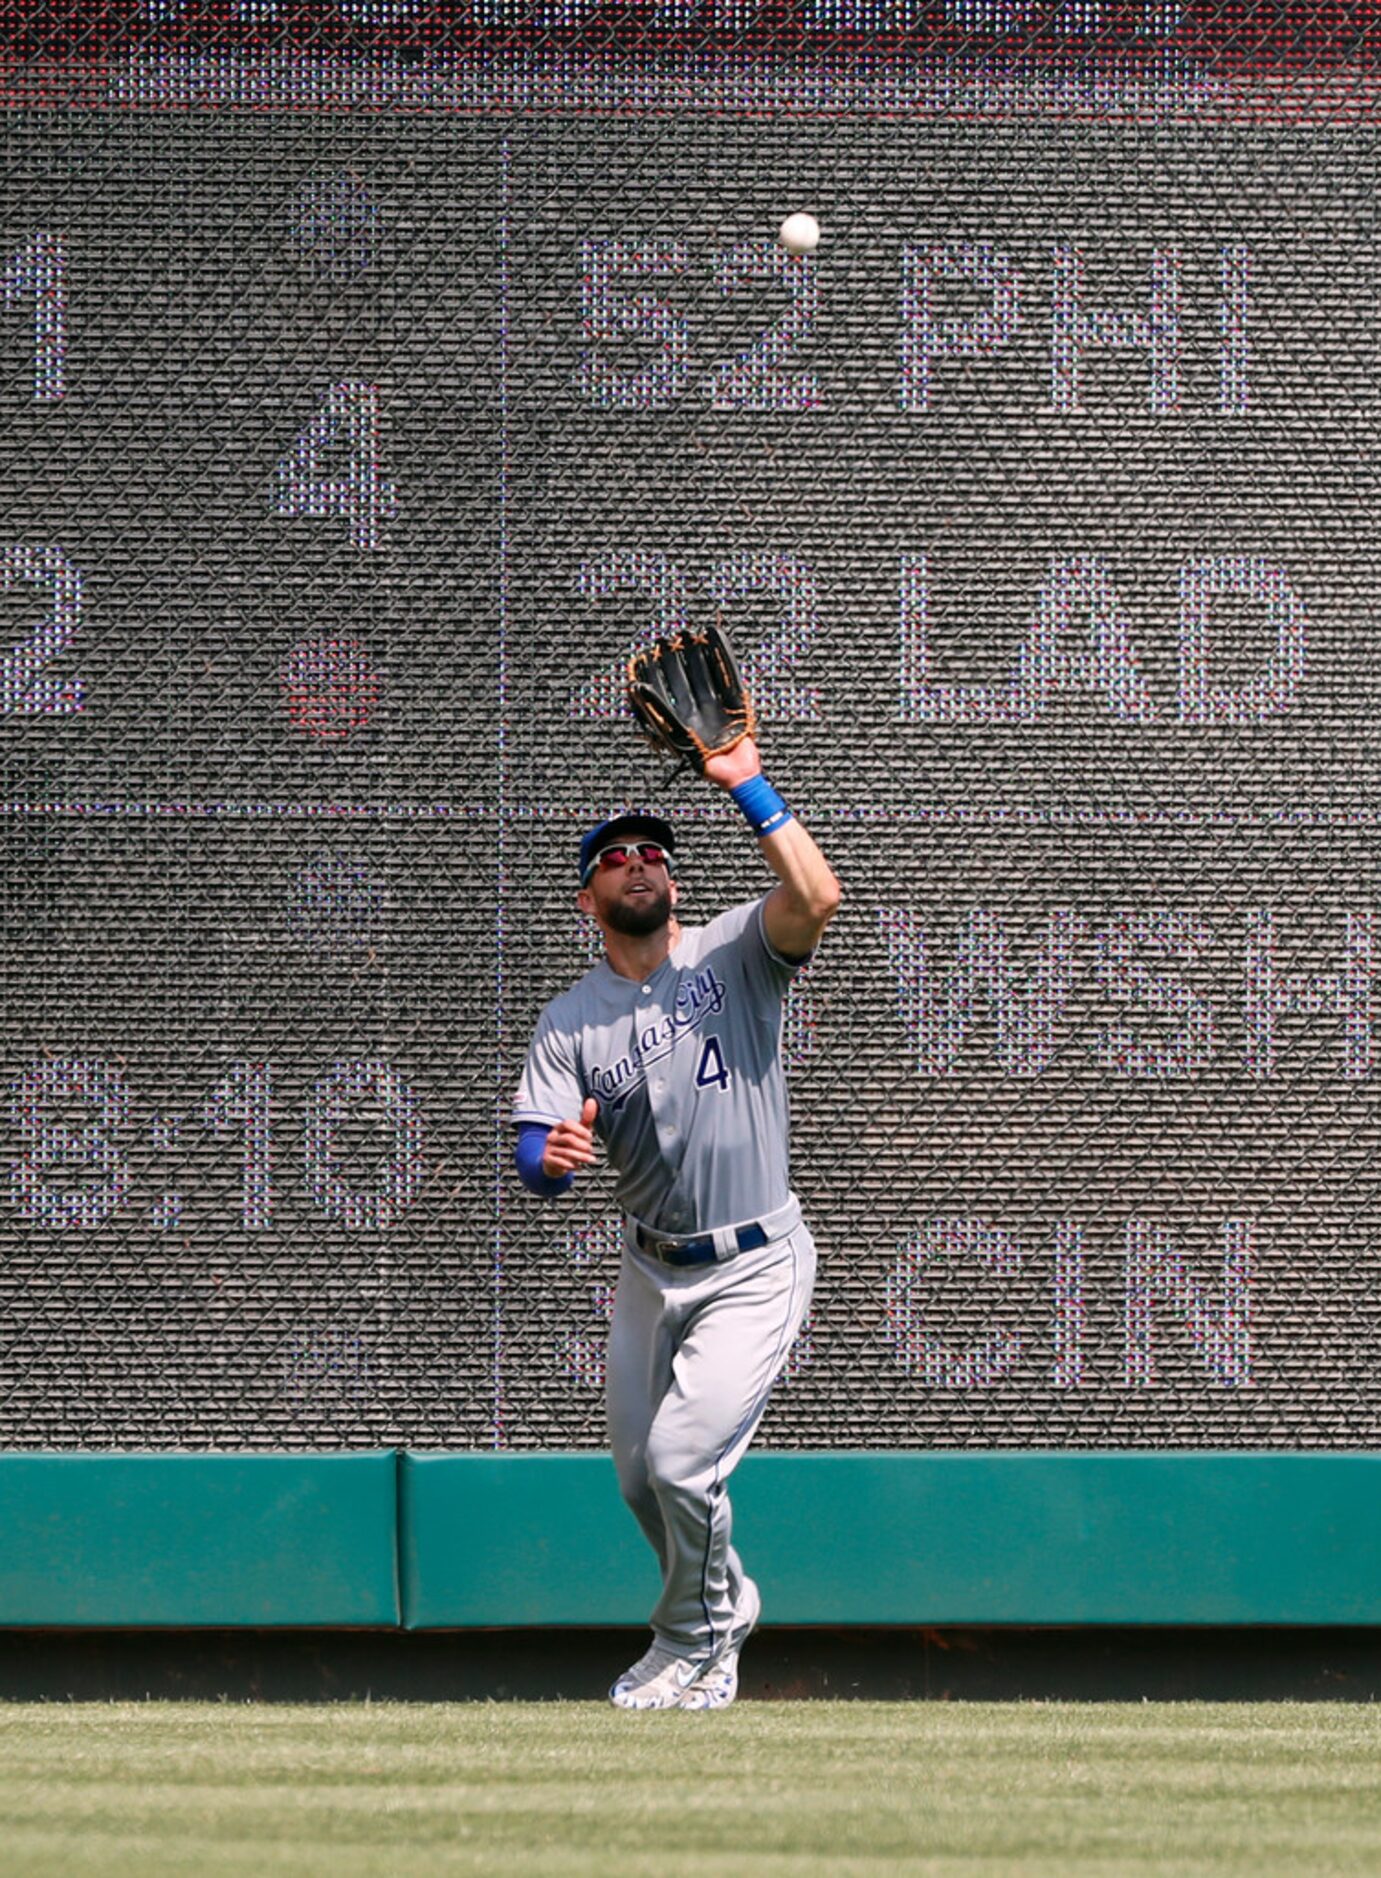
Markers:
point(658, 1679)
point(717, 1685)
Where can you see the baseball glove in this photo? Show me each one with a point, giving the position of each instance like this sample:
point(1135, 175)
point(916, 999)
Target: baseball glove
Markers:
point(688, 697)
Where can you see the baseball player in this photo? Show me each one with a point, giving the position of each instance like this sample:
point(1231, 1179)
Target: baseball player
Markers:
point(668, 1054)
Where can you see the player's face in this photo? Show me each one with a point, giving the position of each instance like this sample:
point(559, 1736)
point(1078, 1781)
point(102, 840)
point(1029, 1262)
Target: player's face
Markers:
point(631, 890)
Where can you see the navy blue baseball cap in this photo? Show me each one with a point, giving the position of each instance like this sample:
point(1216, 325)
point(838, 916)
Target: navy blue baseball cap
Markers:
point(629, 827)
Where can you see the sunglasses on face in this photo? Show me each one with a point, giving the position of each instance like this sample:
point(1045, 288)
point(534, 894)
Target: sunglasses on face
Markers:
point(648, 852)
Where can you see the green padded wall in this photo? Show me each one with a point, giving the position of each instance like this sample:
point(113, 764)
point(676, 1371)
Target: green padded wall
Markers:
point(907, 1538)
point(447, 1540)
point(518, 1539)
point(190, 1539)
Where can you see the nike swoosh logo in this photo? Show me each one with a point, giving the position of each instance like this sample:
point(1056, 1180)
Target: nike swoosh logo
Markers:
point(685, 1674)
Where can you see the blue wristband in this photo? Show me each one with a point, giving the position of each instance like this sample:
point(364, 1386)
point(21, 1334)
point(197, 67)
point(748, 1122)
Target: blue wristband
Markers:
point(763, 807)
point(531, 1146)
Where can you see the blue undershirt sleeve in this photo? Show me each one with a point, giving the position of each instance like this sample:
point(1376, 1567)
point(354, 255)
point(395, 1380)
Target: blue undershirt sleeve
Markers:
point(527, 1154)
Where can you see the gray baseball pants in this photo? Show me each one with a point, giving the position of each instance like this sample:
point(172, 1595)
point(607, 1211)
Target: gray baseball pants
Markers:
point(693, 1354)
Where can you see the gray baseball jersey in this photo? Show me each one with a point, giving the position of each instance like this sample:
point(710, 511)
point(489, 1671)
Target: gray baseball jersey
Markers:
point(686, 1068)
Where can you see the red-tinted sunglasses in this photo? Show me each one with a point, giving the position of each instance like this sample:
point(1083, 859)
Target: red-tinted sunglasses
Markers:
point(650, 853)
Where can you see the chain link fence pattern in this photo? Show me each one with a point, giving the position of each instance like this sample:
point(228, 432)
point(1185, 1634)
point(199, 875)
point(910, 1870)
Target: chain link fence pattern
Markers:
point(349, 447)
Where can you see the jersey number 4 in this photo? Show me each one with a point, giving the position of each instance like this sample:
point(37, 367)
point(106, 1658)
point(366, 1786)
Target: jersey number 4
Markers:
point(712, 1072)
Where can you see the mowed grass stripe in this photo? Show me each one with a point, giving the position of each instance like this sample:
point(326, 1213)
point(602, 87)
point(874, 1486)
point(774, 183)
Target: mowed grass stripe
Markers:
point(572, 1788)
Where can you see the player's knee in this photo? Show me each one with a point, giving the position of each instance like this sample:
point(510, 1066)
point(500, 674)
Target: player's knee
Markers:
point(674, 1470)
point(632, 1471)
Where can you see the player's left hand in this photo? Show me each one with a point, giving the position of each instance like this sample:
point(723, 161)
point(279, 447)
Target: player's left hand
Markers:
point(731, 767)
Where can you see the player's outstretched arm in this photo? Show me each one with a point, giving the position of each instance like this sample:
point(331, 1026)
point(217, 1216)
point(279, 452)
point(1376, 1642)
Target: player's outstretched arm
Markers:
point(807, 895)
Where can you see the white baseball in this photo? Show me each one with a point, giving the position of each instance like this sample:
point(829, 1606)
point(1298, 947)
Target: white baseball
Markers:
point(799, 233)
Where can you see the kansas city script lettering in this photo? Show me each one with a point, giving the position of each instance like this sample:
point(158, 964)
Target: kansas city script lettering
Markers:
point(699, 996)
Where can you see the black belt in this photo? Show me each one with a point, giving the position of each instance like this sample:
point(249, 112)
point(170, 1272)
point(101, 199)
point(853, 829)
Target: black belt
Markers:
point(697, 1251)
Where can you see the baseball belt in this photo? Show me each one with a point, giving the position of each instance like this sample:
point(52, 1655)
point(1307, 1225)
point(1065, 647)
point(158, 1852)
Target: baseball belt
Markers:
point(711, 1247)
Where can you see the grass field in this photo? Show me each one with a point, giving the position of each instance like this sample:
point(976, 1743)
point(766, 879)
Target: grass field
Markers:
point(811, 1787)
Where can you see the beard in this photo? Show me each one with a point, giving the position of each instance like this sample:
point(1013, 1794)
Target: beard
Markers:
point(637, 918)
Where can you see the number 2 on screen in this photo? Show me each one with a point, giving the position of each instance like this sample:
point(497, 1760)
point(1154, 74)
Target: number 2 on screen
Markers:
point(22, 689)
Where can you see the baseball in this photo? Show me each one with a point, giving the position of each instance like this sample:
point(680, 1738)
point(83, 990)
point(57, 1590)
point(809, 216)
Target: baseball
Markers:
point(799, 233)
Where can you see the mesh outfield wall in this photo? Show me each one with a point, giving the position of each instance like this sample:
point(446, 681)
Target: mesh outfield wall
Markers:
point(374, 381)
